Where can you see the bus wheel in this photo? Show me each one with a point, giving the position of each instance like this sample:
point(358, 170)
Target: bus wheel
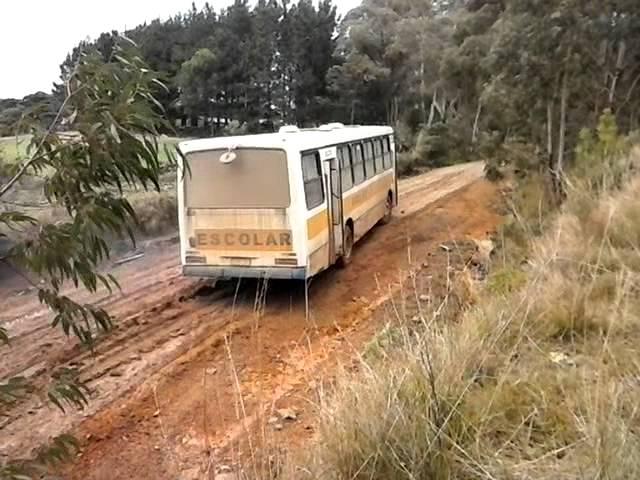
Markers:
point(348, 247)
point(388, 210)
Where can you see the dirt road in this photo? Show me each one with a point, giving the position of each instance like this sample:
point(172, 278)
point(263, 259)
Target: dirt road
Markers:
point(192, 372)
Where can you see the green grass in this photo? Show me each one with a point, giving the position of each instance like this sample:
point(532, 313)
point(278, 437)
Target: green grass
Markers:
point(13, 149)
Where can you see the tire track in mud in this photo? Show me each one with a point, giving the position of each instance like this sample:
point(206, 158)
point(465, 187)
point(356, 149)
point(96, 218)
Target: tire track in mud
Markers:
point(121, 305)
point(172, 331)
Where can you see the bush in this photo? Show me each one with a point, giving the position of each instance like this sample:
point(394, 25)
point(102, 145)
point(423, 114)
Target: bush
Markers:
point(601, 159)
point(234, 128)
point(157, 212)
point(5, 168)
point(431, 147)
point(406, 165)
point(502, 156)
point(442, 144)
point(405, 137)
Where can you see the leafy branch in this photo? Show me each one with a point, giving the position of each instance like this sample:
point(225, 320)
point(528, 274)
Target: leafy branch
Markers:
point(113, 121)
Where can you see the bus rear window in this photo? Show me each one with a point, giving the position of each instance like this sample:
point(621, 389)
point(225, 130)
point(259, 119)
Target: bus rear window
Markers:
point(256, 178)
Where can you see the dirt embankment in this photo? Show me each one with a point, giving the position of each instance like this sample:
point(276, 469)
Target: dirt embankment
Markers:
point(193, 377)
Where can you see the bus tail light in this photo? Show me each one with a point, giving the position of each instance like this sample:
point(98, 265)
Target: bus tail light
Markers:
point(289, 262)
point(195, 259)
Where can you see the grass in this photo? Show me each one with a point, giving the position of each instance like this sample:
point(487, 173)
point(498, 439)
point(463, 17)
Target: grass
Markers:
point(537, 377)
point(13, 149)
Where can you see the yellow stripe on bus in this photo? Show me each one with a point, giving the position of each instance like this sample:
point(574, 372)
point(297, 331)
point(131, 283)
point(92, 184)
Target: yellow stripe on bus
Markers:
point(376, 191)
point(319, 223)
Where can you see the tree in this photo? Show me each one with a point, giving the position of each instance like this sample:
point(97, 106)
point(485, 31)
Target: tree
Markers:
point(233, 40)
point(198, 83)
point(264, 55)
point(313, 45)
point(565, 64)
point(112, 108)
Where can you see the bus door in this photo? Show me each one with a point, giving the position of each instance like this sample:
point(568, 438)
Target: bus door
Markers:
point(333, 184)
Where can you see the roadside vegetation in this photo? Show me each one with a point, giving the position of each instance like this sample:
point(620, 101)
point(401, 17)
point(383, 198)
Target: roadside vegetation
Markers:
point(537, 377)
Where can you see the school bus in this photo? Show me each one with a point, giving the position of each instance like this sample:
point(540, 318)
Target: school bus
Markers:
point(282, 205)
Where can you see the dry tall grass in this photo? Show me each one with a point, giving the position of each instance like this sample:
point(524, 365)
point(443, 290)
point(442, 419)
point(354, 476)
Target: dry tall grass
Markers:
point(540, 379)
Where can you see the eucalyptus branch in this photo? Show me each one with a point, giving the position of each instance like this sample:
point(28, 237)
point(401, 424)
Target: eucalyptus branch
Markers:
point(36, 155)
point(25, 166)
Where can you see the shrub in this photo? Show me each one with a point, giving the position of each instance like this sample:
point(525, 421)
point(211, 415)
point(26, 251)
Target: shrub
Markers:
point(157, 212)
point(406, 165)
point(234, 128)
point(405, 137)
point(601, 155)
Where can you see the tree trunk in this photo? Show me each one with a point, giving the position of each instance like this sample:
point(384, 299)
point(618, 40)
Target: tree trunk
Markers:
point(422, 93)
point(564, 97)
point(629, 96)
point(550, 134)
point(633, 119)
point(619, 67)
point(474, 134)
point(396, 110)
point(432, 111)
point(441, 108)
point(210, 119)
point(392, 111)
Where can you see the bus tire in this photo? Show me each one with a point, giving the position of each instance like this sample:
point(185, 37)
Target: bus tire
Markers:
point(388, 210)
point(345, 259)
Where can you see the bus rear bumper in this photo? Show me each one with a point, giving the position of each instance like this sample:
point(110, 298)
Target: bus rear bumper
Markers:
point(211, 271)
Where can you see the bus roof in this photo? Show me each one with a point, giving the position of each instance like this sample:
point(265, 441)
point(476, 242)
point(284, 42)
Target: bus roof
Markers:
point(289, 137)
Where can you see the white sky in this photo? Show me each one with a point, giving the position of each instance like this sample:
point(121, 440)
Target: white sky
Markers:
point(36, 35)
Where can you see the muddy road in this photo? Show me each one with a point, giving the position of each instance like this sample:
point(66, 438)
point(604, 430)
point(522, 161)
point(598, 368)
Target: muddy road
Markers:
point(193, 376)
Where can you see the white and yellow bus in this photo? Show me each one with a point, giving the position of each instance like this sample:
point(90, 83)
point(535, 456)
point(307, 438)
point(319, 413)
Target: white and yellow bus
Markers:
point(283, 205)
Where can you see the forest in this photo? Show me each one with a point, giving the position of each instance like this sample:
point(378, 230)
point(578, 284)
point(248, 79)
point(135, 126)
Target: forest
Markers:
point(455, 78)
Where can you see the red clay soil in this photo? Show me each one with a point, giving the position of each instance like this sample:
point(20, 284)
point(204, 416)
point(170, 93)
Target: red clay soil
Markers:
point(193, 377)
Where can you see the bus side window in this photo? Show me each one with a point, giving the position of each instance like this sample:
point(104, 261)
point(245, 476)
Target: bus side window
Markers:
point(386, 153)
point(358, 163)
point(312, 177)
point(377, 152)
point(369, 165)
point(345, 168)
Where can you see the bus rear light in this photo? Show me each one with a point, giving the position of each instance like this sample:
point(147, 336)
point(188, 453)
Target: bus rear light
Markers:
point(195, 259)
point(289, 262)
